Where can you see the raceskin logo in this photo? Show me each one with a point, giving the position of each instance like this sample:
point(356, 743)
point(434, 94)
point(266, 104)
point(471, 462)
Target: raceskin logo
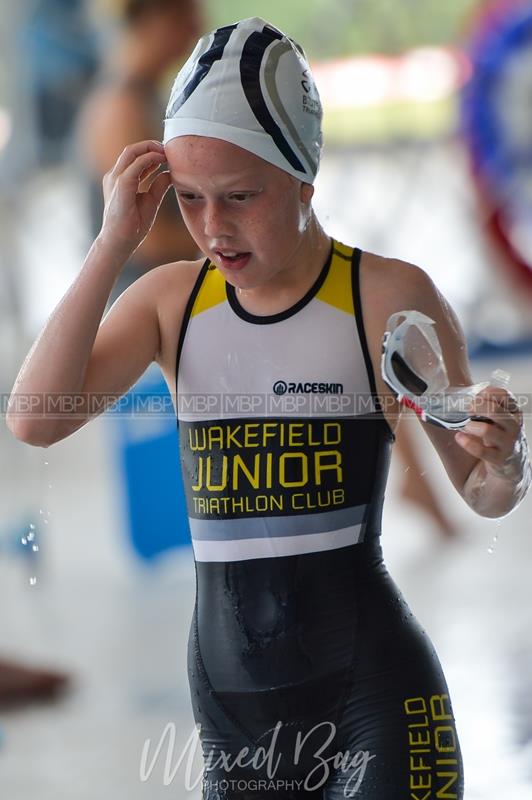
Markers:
point(307, 387)
point(278, 466)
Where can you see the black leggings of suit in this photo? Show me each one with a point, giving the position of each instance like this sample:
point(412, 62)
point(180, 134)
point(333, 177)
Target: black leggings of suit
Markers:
point(310, 676)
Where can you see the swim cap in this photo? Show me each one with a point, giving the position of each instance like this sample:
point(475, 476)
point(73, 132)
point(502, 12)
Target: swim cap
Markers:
point(250, 85)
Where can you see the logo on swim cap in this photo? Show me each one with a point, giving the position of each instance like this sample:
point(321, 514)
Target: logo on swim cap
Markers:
point(251, 85)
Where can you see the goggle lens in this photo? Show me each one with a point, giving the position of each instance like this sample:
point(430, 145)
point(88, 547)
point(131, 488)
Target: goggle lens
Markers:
point(406, 376)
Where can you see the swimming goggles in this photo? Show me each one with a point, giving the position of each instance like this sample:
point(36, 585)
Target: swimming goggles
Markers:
point(412, 366)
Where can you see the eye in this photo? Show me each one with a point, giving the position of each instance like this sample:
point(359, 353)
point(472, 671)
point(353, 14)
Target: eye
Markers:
point(241, 197)
point(187, 197)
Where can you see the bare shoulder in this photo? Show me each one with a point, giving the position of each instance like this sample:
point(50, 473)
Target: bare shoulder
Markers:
point(390, 278)
point(388, 285)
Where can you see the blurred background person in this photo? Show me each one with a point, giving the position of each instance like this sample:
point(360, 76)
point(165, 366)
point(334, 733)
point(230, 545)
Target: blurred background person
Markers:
point(127, 104)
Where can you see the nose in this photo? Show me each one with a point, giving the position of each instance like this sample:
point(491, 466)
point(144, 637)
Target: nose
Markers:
point(216, 221)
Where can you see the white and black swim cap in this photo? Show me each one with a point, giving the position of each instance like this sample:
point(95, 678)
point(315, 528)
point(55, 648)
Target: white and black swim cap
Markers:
point(250, 85)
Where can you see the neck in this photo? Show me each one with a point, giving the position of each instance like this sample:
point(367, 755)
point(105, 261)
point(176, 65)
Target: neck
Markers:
point(297, 276)
point(313, 251)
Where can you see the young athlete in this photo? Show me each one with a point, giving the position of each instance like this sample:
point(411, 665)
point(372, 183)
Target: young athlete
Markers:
point(308, 672)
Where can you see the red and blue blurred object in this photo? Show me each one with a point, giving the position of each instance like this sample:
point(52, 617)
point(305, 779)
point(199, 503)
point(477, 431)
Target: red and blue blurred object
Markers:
point(496, 123)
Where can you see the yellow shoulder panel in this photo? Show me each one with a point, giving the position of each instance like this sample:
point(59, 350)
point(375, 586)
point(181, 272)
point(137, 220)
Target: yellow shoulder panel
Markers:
point(337, 290)
point(211, 292)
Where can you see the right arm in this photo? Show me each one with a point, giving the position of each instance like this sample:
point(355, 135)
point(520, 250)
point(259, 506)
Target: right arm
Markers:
point(75, 356)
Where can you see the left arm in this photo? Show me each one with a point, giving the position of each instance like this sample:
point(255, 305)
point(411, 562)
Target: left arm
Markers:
point(487, 463)
point(501, 473)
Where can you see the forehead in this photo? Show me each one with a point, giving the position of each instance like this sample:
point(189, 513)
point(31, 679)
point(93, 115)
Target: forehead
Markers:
point(202, 156)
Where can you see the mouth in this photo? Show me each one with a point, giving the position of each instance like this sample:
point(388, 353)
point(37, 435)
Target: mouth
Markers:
point(231, 259)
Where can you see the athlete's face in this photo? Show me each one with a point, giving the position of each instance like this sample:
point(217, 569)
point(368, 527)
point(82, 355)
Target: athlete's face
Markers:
point(246, 215)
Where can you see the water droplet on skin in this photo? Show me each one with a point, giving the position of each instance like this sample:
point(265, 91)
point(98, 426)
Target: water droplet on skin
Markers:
point(30, 537)
point(32, 527)
point(24, 540)
point(41, 511)
point(35, 548)
point(33, 580)
point(46, 522)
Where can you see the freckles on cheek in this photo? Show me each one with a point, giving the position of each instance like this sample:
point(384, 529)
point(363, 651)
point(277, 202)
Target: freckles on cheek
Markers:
point(282, 213)
point(191, 223)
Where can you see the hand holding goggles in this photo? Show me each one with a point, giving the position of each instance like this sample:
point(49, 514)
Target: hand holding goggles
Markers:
point(412, 366)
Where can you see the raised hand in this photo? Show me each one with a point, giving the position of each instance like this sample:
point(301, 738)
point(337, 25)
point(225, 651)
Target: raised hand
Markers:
point(131, 199)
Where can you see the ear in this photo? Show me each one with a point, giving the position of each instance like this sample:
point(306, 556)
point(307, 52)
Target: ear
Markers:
point(306, 193)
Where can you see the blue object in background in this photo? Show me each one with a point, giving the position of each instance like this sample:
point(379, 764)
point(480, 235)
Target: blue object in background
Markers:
point(61, 57)
point(495, 124)
point(148, 451)
point(499, 134)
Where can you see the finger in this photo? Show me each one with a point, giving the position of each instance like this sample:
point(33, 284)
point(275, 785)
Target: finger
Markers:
point(489, 407)
point(509, 403)
point(133, 151)
point(143, 178)
point(503, 463)
point(485, 407)
point(474, 447)
point(490, 435)
point(143, 165)
point(159, 186)
point(503, 397)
